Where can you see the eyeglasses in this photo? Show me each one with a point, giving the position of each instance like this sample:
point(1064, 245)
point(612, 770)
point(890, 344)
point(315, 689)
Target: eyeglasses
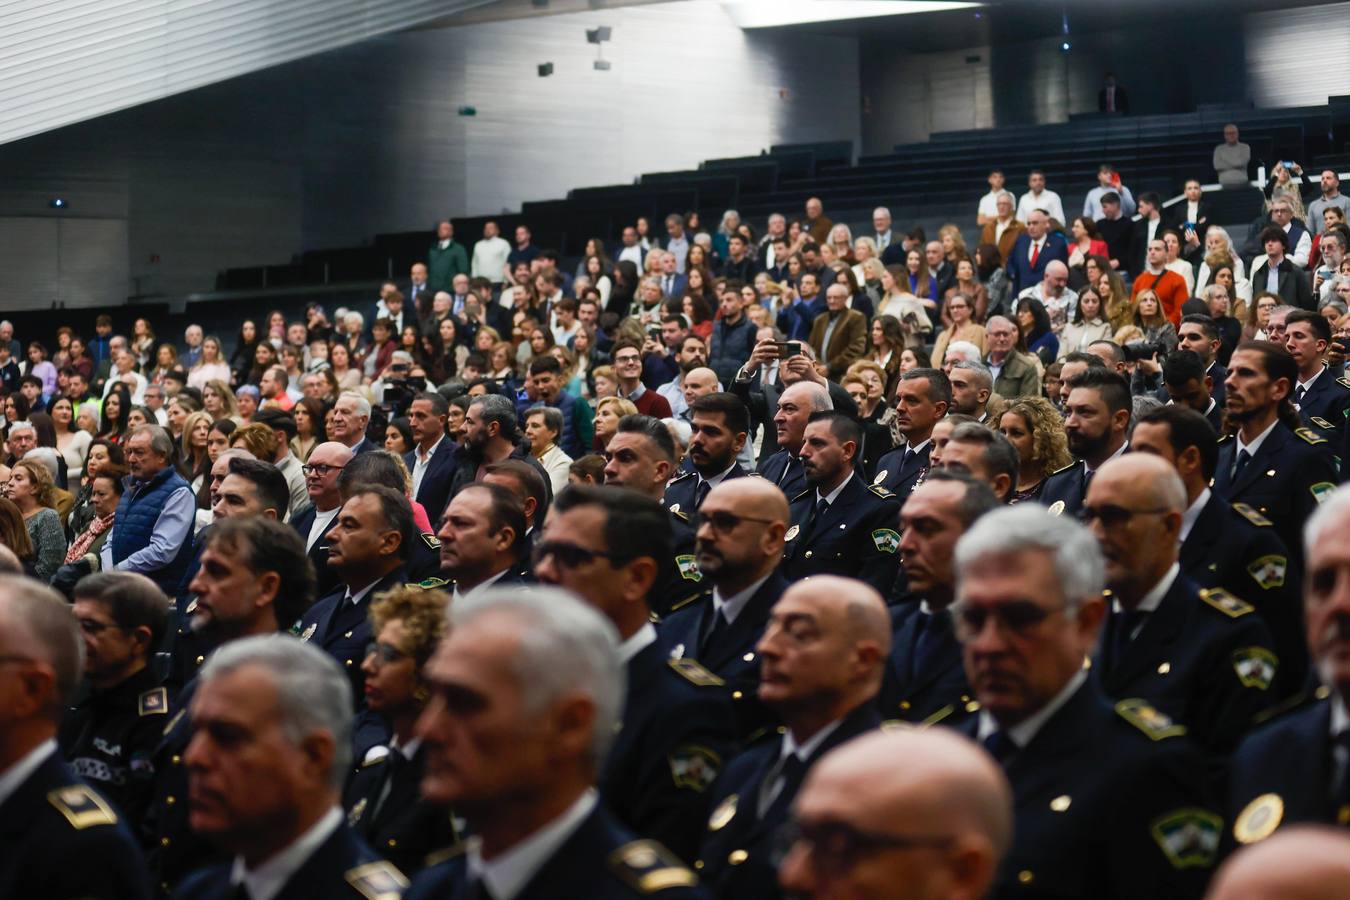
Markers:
point(94, 628)
point(722, 522)
point(384, 653)
point(569, 556)
point(836, 846)
point(1113, 516)
point(1018, 618)
point(321, 470)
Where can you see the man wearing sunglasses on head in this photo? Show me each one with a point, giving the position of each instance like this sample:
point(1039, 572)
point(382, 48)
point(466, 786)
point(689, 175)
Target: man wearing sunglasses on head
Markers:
point(1201, 657)
point(1108, 803)
point(605, 544)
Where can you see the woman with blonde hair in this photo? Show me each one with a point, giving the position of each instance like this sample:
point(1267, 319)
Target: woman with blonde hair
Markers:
point(1116, 303)
point(218, 400)
point(1035, 428)
point(608, 412)
point(194, 461)
point(914, 313)
point(953, 244)
point(606, 384)
point(33, 491)
point(210, 365)
point(841, 243)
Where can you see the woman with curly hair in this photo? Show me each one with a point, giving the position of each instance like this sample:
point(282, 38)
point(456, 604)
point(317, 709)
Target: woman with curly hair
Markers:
point(1035, 428)
point(33, 491)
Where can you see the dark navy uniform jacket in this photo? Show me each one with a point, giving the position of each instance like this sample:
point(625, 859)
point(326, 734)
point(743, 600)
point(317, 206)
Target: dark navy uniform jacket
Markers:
point(679, 581)
point(737, 852)
point(1236, 548)
point(1324, 407)
point(1203, 658)
point(342, 867)
point(858, 537)
point(1063, 490)
point(174, 849)
point(935, 691)
point(384, 806)
point(784, 470)
point(677, 734)
point(682, 491)
point(601, 860)
point(1107, 804)
point(61, 840)
point(899, 477)
point(341, 628)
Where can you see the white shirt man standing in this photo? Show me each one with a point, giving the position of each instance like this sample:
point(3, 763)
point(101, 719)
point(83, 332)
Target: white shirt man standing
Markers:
point(1040, 198)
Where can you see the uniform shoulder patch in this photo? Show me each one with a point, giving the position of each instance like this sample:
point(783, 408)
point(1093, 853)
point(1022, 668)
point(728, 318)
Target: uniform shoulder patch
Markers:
point(433, 543)
point(1157, 725)
point(1251, 515)
point(694, 672)
point(1268, 571)
point(1322, 490)
point(886, 540)
point(694, 767)
point(880, 491)
point(82, 806)
point(377, 881)
point(1343, 382)
point(1310, 436)
point(432, 584)
point(688, 566)
point(1225, 602)
point(649, 867)
point(154, 702)
point(1188, 837)
point(1255, 667)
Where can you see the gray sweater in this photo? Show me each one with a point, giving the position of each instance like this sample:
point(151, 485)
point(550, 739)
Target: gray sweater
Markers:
point(49, 541)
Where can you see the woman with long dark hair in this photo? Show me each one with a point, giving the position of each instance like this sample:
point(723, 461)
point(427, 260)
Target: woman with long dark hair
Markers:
point(116, 407)
point(1034, 322)
point(309, 430)
point(241, 359)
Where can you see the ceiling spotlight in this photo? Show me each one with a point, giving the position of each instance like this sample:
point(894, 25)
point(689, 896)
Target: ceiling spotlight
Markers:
point(1066, 46)
point(545, 70)
point(57, 203)
point(597, 35)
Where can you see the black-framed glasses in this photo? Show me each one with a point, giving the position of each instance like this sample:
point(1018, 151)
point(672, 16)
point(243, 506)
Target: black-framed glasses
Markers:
point(1019, 617)
point(320, 469)
point(569, 556)
point(1113, 516)
point(384, 653)
point(94, 627)
point(835, 847)
point(721, 521)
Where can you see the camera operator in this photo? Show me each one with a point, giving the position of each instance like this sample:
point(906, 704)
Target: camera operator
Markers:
point(398, 384)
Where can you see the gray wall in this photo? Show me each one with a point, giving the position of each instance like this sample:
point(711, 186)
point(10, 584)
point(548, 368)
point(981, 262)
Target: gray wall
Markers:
point(1297, 57)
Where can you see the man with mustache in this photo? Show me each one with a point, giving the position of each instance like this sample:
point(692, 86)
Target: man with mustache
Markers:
point(719, 425)
point(1097, 422)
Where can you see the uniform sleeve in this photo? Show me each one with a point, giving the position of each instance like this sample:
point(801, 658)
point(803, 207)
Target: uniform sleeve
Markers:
point(881, 555)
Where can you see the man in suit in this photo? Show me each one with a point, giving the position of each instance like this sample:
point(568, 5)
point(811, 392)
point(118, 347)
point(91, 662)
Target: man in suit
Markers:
point(368, 548)
point(719, 427)
point(925, 682)
point(351, 415)
point(1097, 422)
point(839, 335)
point(1004, 230)
point(432, 460)
point(294, 705)
point(326, 462)
point(1100, 809)
point(1112, 97)
point(418, 286)
point(61, 837)
point(530, 769)
point(483, 540)
point(821, 659)
point(1226, 546)
point(1031, 252)
point(673, 283)
point(446, 260)
point(1014, 373)
point(676, 731)
point(940, 270)
point(922, 398)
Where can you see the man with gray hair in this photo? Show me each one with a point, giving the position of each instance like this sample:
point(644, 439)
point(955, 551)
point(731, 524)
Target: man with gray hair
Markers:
point(960, 351)
point(271, 747)
point(972, 386)
point(1216, 678)
point(1110, 801)
point(491, 435)
point(526, 690)
point(61, 838)
point(152, 533)
point(795, 407)
point(351, 415)
point(21, 437)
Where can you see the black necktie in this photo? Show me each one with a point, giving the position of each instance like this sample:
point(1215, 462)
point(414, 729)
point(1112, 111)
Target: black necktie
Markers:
point(822, 506)
point(785, 777)
point(935, 627)
point(1123, 625)
point(909, 457)
point(1298, 394)
point(701, 493)
point(1000, 746)
point(1243, 458)
point(713, 628)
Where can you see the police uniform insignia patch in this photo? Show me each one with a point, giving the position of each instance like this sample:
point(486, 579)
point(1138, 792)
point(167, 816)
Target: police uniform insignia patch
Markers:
point(1258, 819)
point(688, 567)
point(1188, 837)
point(1268, 571)
point(1149, 720)
point(649, 867)
point(309, 632)
point(725, 812)
point(881, 476)
point(377, 881)
point(792, 532)
point(879, 491)
point(82, 807)
point(694, 767)
point(886, 540)
point(675, 508)
point(1251, 515)
point(354, 814)
point(1321, 422)
point(1255, 667)
point(432, 584)
point(154, 702)
point(1343, 382)
point(432, 542)
point(694, 672)
point(1225, 602)
point(1309, 435)
point(1057, 508)
point(1322, 491)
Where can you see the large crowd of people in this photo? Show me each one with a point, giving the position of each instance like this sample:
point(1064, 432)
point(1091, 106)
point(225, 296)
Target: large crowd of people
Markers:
point(726, 563)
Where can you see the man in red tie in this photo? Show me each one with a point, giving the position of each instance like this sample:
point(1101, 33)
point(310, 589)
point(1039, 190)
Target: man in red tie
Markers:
point(1033, 251)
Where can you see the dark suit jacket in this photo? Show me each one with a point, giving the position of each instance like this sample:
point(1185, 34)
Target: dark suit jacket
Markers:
point(848, 342)
point(938, 691)
point(318, 554)
point(385, 808)
point(678, 284)
point(435, 490)
point(1293, 757)
point(1021, 272)
point(1119, 237)
point(1122, 101)
point(1139, 244)
point(897, 477)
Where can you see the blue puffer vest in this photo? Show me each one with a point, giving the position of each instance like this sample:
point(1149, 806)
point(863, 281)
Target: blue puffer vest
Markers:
point(137, 512)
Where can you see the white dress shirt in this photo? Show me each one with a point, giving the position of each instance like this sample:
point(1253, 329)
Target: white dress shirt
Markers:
point(1256, 442)
point(322, 520)
point(267, 880)
point(730, 607)
point(508, 874)
point(17, 774)
point(1188, 519)
point(423, 462)
point(1047, 200)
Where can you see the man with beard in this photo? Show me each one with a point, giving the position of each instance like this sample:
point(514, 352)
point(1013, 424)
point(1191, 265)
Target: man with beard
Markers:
point(719, 426)
point(491, 434)
point(922, 397)
point(1096, 421)
point(254, 579)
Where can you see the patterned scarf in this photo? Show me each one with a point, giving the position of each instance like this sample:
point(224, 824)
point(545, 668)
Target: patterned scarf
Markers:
point(99, 525)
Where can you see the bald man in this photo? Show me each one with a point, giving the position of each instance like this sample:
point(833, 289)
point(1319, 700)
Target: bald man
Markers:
point(314, 521)
point(1203, 657)
point(940, 823)
point(1303, 863)
point(821, 660)
point(738, 546)
point(795, 405)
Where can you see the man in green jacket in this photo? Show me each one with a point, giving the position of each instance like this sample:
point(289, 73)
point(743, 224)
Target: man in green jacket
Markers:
point(446, 258)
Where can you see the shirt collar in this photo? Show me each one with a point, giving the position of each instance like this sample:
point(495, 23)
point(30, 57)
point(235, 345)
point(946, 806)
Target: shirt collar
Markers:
point(1153, 599)
point(730, 607)
point(1257, 441)
point(638, 392)
point(268, 879)
point(1307, 384)
point(1340, 718)
point(919, 446)
point(434, 447)
point(803, 751)
point(508, 874)
point(1188, 518)
point(719, 477)
point(834, 494)
point(1120, 451)
point(476, 589)
point(360, 595)
point(18, 773)
point(1022, 733)
point(637, 642)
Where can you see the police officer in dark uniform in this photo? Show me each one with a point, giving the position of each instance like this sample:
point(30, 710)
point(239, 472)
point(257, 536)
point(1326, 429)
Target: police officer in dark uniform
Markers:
point(1202, 657)
point(1226, 546)
point(1199, 334)
point(515, 792)
point(1108, 802)
point(254, 579)
point(60, 837)
point(1186, 384)
point(1271, 463)
point(822, 657)
point(840, 525)
point(368, 548)
point(109, 737)
point(641, 457)
point(423, 551)
point(1097, 422)
point(677, 729)
point(1295, 767)
point(795, 406)
point(719, 427)
point(740, 544)
point(925, 681)
point(922, 397)
point(1323, 400)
